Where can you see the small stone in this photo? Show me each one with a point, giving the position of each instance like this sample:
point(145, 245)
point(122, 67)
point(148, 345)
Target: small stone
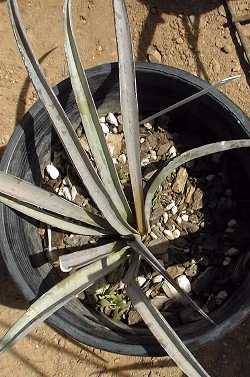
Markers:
point(66, 193)
point(180, 181)
point(159, 301)
point(232, 252)
point(170, 291)
point(168, 234)
point(122, 158)
point(184, 283)
point(141, 280)
point(192, 270)
point(231, 223)
point(170, 206)
point(174, 210)
point(163, 149)
point(114, 142)
point(133, 317)
point(115, 130)
point(226, 261)
point(198, 199)
point(172, 151)
point(115, 161)
point(189, 195)
point(154, 56)
point(153, 155)
point(111, 148)
point(176, 270)
point(105, 128)
point(102, 120)
point(145, 161)
point(111, 119)
point(52, 171)
point(185, 217)
point(73, 193)
point(148, 126)
point(176, 233)
point(157, 279)
point(179, 220)
point(142, 140)
point(165, 217)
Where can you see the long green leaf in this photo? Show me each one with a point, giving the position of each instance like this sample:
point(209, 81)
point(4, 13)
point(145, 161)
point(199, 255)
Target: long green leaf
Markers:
point(64, 129)
point(59, 296)
point(164, 333)
point(90, 120)
point(185, 157)
point(129, 107)
point(25, 192)
point(50, 219)
point(136, 243)
point(83, 257)
point(189, 99)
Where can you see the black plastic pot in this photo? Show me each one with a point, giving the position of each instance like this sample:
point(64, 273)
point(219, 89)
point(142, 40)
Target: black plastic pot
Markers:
point(215, 117)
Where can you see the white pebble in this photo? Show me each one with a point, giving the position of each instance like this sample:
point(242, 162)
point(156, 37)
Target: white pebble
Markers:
point(176, 233)
point(122, 158)
point(104, 128)
point(111, 148)
point(185, 217)
point(153, 155)
point(115, 161)
point(169, 234)
point(172, 151)
point(232, 252)
point(142, 140)
point(202, 224)
point(153, 236)
point(144, 162)
point(184, 283)
point(73, 192)
point(165, 217)
point(52, 171)
point(111, 119)
point(231, 223)
point(226, 261)
point(170, 206)
point(115, 130)
point(141, 280)
point(148, 126)
point(157, 279)
point(66, 193)
point(179, 220)
point(174, 210)
point(102, 119)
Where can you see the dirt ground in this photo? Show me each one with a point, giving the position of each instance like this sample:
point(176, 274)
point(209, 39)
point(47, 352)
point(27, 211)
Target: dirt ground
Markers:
point(188, 34)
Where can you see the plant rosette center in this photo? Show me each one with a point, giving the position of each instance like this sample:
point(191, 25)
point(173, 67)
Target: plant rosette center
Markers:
point(205, 260)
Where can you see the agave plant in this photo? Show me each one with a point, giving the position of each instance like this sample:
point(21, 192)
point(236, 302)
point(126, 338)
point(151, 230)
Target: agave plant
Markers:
point(129, 225)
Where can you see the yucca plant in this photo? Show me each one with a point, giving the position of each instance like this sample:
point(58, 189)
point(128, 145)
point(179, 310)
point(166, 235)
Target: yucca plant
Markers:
point(128, 225)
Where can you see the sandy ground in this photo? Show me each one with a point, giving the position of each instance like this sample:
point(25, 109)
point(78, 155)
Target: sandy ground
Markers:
point(200, 44)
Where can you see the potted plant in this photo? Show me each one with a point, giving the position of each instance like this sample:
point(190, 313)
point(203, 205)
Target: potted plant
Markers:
point(120, 229)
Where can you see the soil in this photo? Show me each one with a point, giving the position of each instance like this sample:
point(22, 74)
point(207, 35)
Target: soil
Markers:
point(191, 35)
